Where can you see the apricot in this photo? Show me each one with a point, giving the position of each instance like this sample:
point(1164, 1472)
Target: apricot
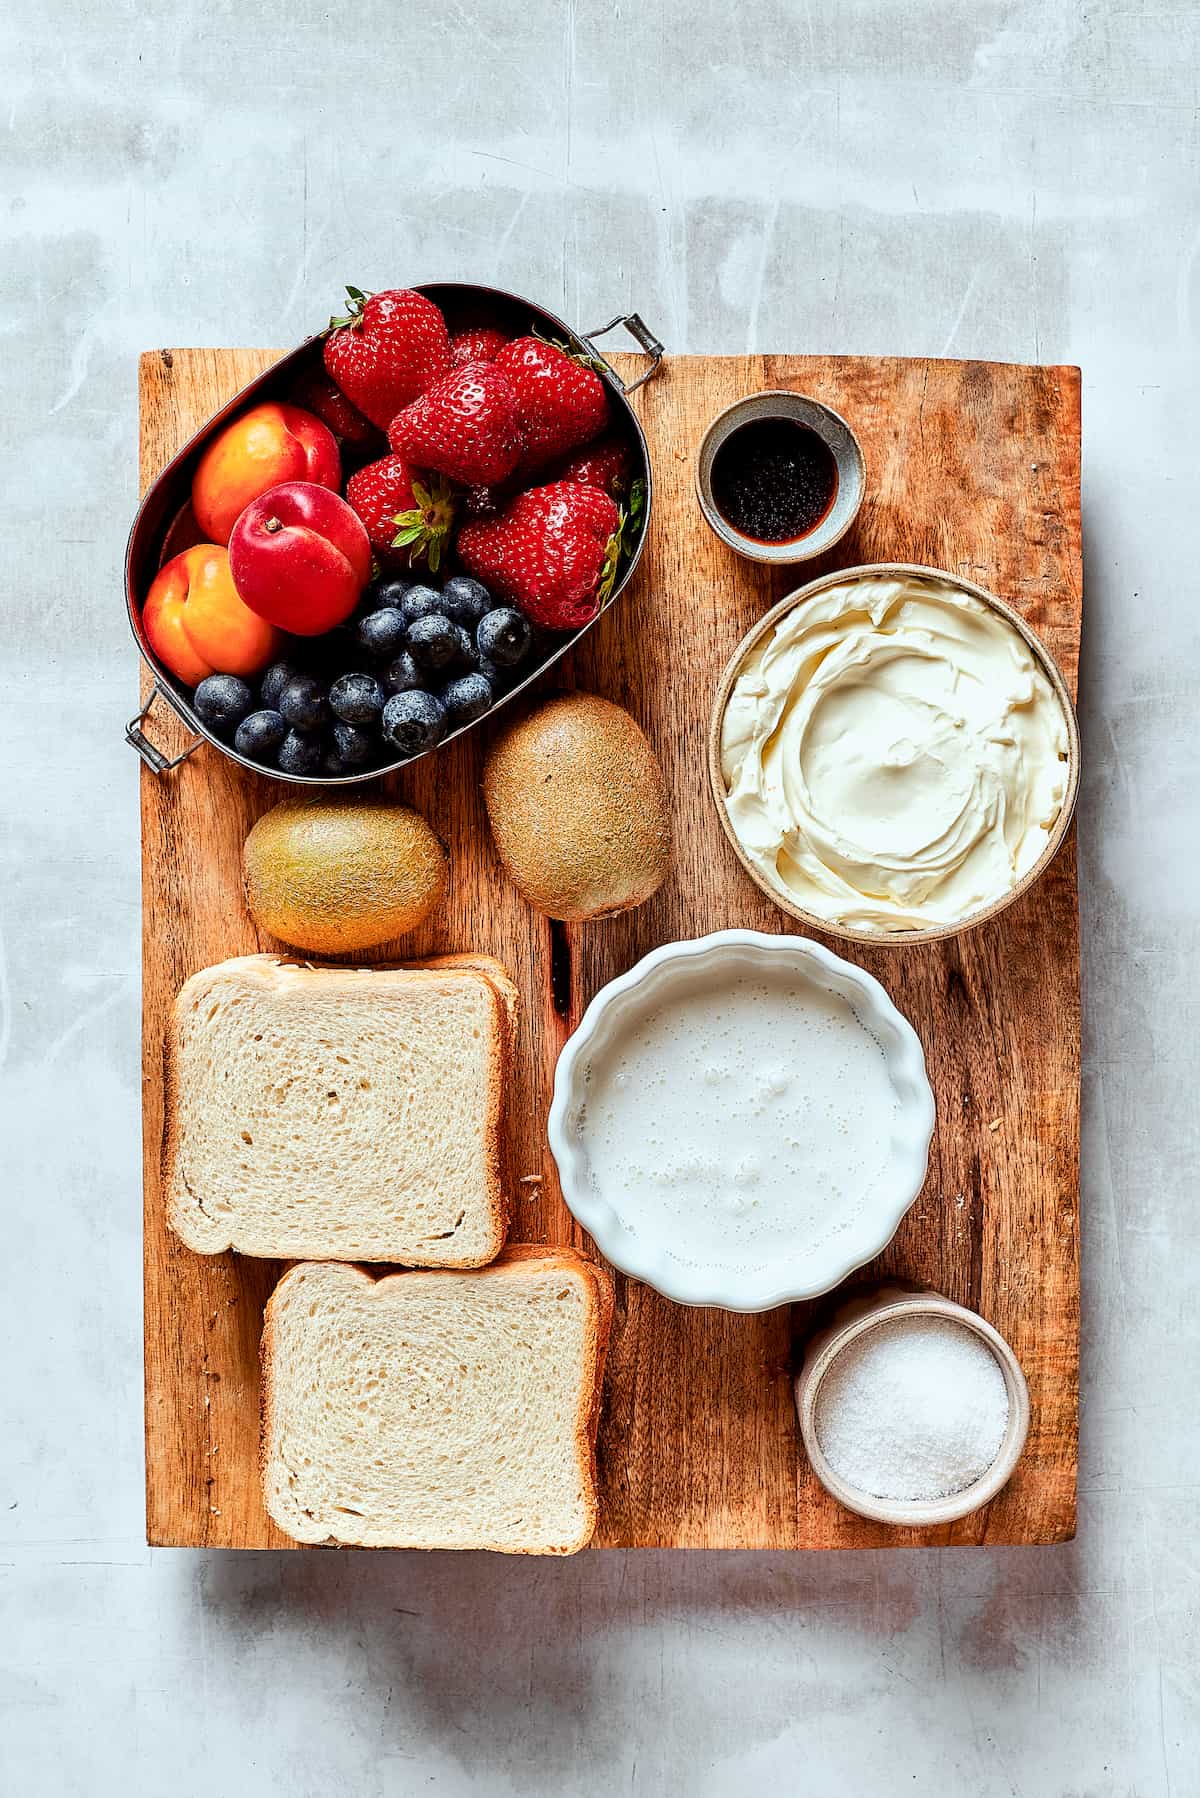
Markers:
point(268, 444)
point(196, 624)
point(300, 557)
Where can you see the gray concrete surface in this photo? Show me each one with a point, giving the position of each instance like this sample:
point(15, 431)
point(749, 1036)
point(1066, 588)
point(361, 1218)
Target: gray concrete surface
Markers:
point(1002, 178)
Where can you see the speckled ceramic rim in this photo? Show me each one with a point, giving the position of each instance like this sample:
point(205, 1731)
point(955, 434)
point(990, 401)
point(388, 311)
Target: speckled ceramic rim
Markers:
point(833, 431)
point(914, 1515)
point(936, 932)
point(718, 1285)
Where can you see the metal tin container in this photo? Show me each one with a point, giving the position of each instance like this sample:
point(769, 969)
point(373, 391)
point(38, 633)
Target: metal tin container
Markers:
point(158, 521)
point(933, 932)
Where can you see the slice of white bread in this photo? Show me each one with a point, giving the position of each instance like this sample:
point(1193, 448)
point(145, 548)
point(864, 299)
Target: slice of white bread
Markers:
point(437, 1410)
point(338, 1113)
point(493, 971)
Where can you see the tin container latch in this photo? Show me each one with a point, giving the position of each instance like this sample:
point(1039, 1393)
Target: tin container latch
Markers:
point(155, 760)
point(642, 335)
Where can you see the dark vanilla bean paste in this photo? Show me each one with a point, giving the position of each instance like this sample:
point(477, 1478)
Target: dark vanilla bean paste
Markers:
point(774, 480)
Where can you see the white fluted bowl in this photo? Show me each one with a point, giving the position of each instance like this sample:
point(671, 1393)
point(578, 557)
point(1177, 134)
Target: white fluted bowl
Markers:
point(616, 1009)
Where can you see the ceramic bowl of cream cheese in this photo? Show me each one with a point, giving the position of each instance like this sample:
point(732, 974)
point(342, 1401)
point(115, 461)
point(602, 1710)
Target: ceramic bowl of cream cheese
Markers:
point(894, 754)
point(741, 1120)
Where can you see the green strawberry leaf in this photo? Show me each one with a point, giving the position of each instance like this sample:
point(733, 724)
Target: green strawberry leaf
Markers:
point(423, 529)
point(637, 507)
point(612, 561)
point(597, 364)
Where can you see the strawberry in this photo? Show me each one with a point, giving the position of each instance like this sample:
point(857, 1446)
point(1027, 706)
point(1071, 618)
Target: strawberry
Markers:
point(485, 502)
point(321, 396)
point(607, 465)
point(465, 426)
point(388, 349)
point(562, 404)
point(553, 553)
point(481, 345)
point(400, 511)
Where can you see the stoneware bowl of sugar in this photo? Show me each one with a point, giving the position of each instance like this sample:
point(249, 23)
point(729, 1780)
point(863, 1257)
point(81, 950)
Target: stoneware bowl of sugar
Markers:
point(914, 1411)
point(741, 1120)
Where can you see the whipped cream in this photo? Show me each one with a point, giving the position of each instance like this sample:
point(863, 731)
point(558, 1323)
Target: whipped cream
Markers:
point(894, 756)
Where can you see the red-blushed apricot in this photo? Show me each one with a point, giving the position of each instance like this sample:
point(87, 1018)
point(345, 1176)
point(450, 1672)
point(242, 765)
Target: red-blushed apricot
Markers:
point(267, 445)
point(196, 624)
point(300, 557)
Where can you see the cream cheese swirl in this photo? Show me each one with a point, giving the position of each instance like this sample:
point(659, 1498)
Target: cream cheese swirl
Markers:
point(894, 756)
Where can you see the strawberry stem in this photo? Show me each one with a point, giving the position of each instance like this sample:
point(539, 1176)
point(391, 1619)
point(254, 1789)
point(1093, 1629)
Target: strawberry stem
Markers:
point(423, 529)
point(352, 320)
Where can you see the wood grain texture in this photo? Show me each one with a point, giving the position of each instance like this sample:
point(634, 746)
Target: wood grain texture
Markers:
point(971, 467)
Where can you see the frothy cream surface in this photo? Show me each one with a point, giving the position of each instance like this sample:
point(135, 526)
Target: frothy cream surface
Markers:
point(893, 755)
point(740, 1123)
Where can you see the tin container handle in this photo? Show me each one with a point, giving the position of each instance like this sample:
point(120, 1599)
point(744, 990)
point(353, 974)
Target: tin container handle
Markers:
point(642, 335)
point(155, 760)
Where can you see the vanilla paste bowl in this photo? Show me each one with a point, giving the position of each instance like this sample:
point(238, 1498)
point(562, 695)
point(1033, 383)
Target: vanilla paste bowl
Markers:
point(738, 952)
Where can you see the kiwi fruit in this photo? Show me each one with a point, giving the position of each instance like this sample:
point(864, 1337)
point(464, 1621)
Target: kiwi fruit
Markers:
point(333, 876)
point(578, 808)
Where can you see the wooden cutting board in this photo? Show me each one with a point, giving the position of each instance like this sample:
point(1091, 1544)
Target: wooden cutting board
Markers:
point(972, 467)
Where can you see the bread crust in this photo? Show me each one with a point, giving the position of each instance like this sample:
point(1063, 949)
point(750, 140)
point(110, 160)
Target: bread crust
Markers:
point(471, 961)
point(540, 1259)
point(266, 971)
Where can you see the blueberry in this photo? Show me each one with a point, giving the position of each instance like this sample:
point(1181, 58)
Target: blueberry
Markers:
point(466, 699)
point(382, 633)
point(413, 722)
point(384, 592)
point(260, 735)
point(303, 703)
point(504, 636)
point(420, 601)
point(274, 681)
point(465, 600)
point(352, 744)
point(222, 701)
point(466, 655)
point(403, 675)
point(300, 753)
point(356, 698)
point(433, 640)
point(497, 678)
point(332, 764)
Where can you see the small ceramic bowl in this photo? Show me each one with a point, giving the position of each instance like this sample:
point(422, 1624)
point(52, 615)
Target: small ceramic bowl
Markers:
point(622, 1006)
point(932, 932)
point(851, 1322)
point(833, 431)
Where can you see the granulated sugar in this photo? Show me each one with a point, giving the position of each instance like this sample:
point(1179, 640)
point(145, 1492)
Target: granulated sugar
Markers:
point(915, 1408)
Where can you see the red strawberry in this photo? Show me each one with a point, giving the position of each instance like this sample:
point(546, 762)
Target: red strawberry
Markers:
point(318, 394)
point(400, 511)
point(485, 502)
point(482, 345)
point(562, 404)
point(387, 350)
point(466, 427)
point(553, 553)
point(607, 465)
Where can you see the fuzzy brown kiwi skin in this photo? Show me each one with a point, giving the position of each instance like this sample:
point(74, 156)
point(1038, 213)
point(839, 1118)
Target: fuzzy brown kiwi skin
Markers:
point(332, 877)
point(578, 809)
